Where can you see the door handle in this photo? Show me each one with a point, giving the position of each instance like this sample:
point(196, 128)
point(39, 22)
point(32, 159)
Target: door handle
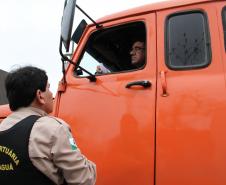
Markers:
point(164, 84)
point(143, 83)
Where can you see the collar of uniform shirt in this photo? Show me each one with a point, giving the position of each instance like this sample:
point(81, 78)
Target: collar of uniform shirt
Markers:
point(32, 109)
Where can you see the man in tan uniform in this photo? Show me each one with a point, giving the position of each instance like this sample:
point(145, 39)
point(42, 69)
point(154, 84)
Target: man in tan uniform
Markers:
point(51, 147)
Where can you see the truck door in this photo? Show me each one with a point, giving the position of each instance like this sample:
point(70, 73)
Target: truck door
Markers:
point(221, 18)
point(191, 97)
point(113, 119)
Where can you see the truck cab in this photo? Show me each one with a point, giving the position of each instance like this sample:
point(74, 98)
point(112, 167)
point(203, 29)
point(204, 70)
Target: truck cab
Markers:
point(159, 123)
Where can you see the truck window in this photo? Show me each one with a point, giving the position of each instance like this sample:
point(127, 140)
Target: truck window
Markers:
point(109, 50)
point(224, 25)
point(187, 41)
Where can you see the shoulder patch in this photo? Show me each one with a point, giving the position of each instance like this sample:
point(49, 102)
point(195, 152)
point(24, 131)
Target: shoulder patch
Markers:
point(72, 143)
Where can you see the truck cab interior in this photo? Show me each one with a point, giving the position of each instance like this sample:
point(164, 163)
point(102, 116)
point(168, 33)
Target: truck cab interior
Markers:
point(111, 48)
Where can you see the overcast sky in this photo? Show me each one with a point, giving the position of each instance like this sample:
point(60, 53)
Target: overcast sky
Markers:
point(30, 31)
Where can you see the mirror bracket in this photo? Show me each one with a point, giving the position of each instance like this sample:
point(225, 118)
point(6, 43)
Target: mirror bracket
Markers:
point(91, 77)
point(98, 26)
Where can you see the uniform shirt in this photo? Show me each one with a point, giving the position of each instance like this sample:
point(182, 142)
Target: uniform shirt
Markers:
point(52, 149)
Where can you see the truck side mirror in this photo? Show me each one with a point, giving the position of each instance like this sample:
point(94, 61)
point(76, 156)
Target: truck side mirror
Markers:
point(67, 22)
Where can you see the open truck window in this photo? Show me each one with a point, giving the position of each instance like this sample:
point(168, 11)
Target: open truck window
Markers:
point(109, 49)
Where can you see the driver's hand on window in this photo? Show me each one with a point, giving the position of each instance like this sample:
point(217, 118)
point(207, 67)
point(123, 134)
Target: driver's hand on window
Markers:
point(101, 70)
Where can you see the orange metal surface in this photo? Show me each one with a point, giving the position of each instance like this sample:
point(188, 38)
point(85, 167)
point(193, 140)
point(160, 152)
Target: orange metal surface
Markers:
point(170, 134)
point(4, 111)
point(190, 129)
point(220, 6)
point(158, 6)
point(113, 125)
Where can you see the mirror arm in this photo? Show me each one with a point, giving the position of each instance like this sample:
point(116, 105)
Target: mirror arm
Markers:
point(92, 77)
point(63, 71)
point(97, 25)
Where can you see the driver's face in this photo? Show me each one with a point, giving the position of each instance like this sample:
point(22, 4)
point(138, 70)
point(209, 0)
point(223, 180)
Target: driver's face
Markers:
point(137, 53)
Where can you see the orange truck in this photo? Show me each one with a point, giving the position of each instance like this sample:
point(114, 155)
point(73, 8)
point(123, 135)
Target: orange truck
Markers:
point(158, 124)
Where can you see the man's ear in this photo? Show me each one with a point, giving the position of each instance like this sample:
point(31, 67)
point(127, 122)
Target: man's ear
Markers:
point(39, 97)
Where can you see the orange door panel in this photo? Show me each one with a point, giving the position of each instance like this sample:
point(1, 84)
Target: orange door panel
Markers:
point(191, 107)
point(221, 19)
point(114, 125)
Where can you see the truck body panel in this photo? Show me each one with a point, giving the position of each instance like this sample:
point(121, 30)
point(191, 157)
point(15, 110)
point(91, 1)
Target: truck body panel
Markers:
point(117, 135)
point(190, 127)
point(171, 132)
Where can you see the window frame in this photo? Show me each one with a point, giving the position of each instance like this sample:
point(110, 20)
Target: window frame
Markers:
point(113, 72)
point(224, 25)
point(208, 42)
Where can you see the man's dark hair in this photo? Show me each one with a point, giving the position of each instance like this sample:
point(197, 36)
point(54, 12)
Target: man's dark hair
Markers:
point(22, 84)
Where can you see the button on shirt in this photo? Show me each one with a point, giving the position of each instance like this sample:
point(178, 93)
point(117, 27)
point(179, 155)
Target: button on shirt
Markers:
point(52, 149)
